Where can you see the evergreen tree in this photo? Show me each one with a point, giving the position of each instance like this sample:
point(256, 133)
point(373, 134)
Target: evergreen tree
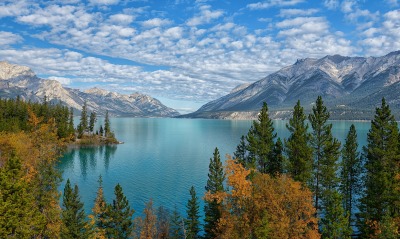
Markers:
point(192, 222)
point(350, 173)
point(297, 147)
point(73, 215)
point(119, 216)
point(381, 197)
point(84, 118)
point(148, 222)
point(101, 131)
point(71, 129)
point(163, 223)
point(176, 225)
point(327, 153)
point(107, 126)
point(260, 140)
point(275, 166)
point(92, 121)
point(335, 222)
point(240, 154)
point(215, 183)
point(99, 215)
point(19, 216)
point(318, 119)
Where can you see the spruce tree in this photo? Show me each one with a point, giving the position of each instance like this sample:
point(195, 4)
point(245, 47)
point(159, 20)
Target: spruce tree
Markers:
point(381, 196)
point(83, 125)
point(350, 173)
point(275, 166)
point(192, 221)
point(119, 216)
point(215, 183)
point(19, 216)
point(107, 126)
point(240, 153)
point(318, 119)
point(176, 225)
point(71, 129)
point(92, 121)
point(260, 140)
point(73, 216)
point(297, 147)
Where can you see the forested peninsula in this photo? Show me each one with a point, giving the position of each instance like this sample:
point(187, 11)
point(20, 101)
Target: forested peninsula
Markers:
point(305, 186)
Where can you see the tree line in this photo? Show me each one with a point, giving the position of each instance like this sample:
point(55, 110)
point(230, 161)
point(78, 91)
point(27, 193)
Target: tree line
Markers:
point(305, 186)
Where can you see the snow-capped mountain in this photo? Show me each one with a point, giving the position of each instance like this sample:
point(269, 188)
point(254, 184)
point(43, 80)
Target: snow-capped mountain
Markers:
point(21, 81)
point(350, 86)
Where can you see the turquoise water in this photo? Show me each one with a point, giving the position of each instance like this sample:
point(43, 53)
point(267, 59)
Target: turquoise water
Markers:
point(162, 158)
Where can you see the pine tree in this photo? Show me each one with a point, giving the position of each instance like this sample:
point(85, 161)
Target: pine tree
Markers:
point(176, 225)
point(275, 166)
point(83, 125)
point(335, 222)
point(101, 131)
point(19, 216)
point(99, 215)
point(92, 121)
point(297, 147)
point(192, 222)
point(260, 140)
point(73, 216)
point(107, 129)
point(350, 173)
point(382, 165)
point(327, 153)
point(240, 154)
point(163, 223)
point(318, 119)
point(71, 129)
point(119, 216)
point(215, 183)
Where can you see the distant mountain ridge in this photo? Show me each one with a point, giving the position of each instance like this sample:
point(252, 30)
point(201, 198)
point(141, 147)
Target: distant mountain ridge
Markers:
point(21, 81)
point(350, 86)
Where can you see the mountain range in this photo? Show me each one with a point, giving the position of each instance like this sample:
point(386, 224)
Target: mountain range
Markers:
point(351, 88)
point(21, 81)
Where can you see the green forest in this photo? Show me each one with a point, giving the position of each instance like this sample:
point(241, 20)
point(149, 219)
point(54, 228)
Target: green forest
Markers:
point(308, 185)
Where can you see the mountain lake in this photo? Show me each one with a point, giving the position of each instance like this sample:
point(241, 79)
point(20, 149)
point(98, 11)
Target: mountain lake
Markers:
point(161, 158)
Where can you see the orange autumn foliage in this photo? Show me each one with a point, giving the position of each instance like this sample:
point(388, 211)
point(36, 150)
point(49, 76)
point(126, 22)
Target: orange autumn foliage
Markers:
point(264, 207)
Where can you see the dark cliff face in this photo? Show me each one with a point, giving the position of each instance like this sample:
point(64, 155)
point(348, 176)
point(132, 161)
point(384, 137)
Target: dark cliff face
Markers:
point(345, 83)
point(21, 81)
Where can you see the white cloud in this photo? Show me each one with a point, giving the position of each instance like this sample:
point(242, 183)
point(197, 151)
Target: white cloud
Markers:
point(331, 4)
point(384, 38)
point(393, 3)
point(14, 8)
point(8, 38)
point(156, 22)
point(273, 3)
point(120, 18)
point(297, 12)
point(205, 16)
point(348, 5)
point(104, 2)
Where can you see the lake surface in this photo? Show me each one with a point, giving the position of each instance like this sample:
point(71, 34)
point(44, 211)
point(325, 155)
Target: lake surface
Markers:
point(162, 158)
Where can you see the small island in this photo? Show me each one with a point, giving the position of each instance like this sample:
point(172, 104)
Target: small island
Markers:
point(85, 133)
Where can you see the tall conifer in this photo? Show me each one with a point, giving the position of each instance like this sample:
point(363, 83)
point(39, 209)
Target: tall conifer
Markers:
point(99, 215)
point(215, 183)
point(192, 221)
point(297, 147)
point(350, 173)
point(381, 197)
point(275, 165)
point(260, 140)
point(119, 216)
point(73, 216)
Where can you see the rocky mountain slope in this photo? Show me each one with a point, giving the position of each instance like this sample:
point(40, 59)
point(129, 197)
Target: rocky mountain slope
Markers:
point(351, 87)
point(21, 81)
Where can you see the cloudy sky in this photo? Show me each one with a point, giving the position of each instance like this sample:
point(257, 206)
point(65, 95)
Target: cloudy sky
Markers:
point(187, 52)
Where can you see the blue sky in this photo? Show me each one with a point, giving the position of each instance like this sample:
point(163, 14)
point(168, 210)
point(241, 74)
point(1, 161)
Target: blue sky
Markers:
point(183, 52)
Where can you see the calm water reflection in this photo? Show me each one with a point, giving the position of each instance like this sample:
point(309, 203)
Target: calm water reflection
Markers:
point(162, 158)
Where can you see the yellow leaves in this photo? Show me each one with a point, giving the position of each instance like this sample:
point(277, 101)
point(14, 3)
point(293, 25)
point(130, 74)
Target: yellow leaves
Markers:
point(273, 207)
